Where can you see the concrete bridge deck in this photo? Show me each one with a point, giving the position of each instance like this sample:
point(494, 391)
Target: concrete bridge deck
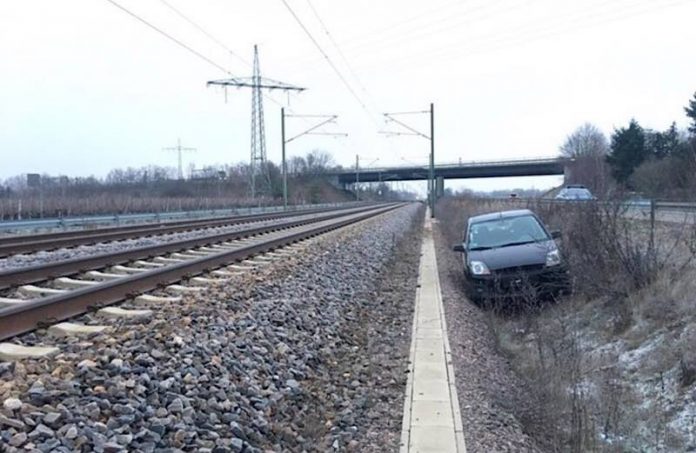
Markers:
point(490, 169)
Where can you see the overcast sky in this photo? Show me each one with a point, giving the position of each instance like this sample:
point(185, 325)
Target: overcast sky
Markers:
point(85, 88)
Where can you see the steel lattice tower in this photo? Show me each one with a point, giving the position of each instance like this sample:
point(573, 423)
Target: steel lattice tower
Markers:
point(259, 178)
point(258, 163)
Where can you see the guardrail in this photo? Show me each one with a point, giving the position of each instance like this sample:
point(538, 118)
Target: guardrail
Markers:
point(668, 211)
point(154, 217)
point(656, 204)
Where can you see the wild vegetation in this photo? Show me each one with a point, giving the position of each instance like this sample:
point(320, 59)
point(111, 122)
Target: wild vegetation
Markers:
point(612, 366)
point(657, 164)
point(157, 189)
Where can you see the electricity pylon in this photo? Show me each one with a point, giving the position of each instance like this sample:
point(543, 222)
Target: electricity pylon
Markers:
point(179, 149)
point(260, 178)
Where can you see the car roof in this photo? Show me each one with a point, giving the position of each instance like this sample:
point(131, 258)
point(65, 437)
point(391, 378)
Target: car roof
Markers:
point(575, 189)
point(499, 215)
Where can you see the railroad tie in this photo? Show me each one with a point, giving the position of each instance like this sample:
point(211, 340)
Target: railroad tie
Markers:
point(158, 299)
point(255, 263)
point(223, 273)
point(10, 352)
point(116, 312)
point(183, 256)
point(282, 254)
point(163, 260)
point(128, 270)
point(71, 283)
point(66, 329)
point(198, 253)
point(224, 248)
point(207, 281)
point(184, 289)
point(264, 258)
point(9, 302)
point(237, 267)
point(31, 290)
point(142, 263)
point(209, 249)
point(103, 275)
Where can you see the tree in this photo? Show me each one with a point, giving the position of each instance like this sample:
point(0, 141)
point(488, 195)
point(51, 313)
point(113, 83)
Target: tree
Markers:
point(664, 144)
point(587, 140)
point(691, 113)
point(588, 147)
point(628, 151)
point(318, 162)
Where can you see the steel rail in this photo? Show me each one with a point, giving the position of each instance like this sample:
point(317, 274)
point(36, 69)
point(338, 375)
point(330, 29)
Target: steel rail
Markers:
point(40, 312)
point(52, 241)
point(32, 274)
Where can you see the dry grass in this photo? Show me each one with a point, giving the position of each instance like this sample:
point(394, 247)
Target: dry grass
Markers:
point(610, 365)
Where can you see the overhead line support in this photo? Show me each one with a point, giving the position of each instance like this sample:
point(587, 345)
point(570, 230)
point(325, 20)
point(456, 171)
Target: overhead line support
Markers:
point(390, 118)
point(327, 119)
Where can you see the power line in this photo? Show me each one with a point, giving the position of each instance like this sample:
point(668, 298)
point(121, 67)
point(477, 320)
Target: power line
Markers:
point(170, 37)
point(430, 28)
point(585, 20)
point(326, 57)
point(338, 48)
point(206, 33)
point(398, 24)
point(527, 33)
point(190, 49)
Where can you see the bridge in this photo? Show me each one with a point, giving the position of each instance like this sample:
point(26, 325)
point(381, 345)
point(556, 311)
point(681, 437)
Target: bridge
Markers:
point(461, 170)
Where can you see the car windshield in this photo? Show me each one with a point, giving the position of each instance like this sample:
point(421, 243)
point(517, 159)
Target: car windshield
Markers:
point(505, 232)
point(575, 193)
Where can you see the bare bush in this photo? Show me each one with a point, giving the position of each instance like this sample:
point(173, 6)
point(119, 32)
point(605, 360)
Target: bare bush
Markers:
point(627, 288)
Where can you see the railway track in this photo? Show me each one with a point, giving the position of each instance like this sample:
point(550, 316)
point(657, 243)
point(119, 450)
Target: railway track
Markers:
point(13, 245)
point(149, 270)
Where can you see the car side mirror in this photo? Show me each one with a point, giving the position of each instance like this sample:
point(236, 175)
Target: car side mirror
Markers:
point(459, 248)
point(556, 234)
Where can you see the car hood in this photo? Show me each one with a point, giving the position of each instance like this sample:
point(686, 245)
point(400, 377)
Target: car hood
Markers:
point(514, 255)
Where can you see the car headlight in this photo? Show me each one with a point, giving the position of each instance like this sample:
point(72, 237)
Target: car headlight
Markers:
point(479, 268)
point(553, 258)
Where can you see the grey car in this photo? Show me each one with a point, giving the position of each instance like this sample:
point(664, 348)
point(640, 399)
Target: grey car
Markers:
point(575, 192)
point(511, 253)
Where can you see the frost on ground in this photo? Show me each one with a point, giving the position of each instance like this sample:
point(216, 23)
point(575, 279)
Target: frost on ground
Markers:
point(612, 368)
point(307, 354)
point(493, 401)
point(631, 389)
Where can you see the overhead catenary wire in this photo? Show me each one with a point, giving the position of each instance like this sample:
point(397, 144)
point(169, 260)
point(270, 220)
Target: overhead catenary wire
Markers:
point(337, 47)
point(185, 46)
point(471, 14)
point(327, 58)
point(345, 60)
point(528, 32)
point(170, 37)
point(206, 33)
point(218, 42)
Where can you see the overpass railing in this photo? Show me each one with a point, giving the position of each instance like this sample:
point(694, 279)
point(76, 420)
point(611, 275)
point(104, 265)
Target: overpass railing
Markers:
point(503, 162)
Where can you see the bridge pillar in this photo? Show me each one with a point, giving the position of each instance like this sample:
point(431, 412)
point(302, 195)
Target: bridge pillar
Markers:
point(333, 180)
point(439, 187)
point(568, 173)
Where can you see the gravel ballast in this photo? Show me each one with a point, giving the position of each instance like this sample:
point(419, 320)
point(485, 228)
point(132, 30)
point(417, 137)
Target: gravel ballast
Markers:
point(51, 256)
point(307, 354)
point(491, 397)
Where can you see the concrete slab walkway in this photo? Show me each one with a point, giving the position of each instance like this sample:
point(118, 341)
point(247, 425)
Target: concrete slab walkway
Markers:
point(432, 421)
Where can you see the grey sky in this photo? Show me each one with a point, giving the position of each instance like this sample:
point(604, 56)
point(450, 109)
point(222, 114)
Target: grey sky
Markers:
point(86, 88)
